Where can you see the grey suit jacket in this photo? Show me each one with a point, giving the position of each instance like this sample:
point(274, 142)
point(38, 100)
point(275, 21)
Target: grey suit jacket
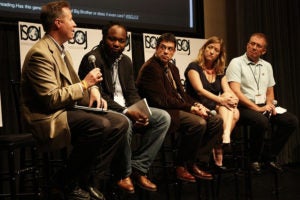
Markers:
point(47, 91)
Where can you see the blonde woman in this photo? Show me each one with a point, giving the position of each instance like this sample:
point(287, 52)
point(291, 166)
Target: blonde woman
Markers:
point(207, 83)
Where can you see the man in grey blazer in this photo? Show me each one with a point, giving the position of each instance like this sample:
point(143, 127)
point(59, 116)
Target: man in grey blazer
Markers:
point(50, 88)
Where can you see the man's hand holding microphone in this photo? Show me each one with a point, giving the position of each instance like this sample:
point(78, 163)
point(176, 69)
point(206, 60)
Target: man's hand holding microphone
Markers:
point(90, 82)
point(269, 108)
point(199, 109)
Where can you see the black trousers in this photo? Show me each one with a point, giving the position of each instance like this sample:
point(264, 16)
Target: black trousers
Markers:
point(93, 135)
point(198, 137)
point(280, 127)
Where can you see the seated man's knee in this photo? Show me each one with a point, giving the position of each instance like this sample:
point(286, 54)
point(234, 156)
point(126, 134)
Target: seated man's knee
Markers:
point(262, 122)
point(160, 116)
point(199, 125)
point(215, 120)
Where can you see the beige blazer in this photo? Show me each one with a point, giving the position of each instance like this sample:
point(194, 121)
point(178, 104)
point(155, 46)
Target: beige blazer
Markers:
point(46, 91)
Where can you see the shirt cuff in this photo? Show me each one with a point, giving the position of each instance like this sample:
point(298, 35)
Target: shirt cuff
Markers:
point(82, 90)
point(125, 111)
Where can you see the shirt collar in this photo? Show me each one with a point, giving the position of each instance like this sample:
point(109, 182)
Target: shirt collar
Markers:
point(61, 48)
point(249, 62)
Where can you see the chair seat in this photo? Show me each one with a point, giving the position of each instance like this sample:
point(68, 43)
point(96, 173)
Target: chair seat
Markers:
point(13, 141)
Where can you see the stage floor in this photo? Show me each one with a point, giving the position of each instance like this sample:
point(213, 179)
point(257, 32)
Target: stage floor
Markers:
point(263, 188)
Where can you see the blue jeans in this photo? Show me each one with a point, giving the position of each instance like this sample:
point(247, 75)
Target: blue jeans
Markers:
point(150, 141)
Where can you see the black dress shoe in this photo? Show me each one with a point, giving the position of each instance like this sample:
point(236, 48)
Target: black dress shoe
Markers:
point(275, 166)
point(219, 169)
point(95, 193)
point(78, 194)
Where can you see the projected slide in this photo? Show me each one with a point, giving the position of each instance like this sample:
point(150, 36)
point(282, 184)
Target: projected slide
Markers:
point(164, 15)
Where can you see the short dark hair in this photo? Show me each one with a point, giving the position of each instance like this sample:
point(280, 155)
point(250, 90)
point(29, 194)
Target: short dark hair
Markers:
point(106, 28)
point(261, 35)
point(168, 37)
point(50, 12)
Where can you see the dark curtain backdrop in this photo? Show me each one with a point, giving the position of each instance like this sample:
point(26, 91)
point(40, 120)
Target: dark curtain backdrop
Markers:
point(9, 72)
point(278, 19)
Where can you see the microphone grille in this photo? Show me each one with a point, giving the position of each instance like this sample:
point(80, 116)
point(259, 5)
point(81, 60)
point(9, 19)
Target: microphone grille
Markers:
point(92, 59)
point(213, 112)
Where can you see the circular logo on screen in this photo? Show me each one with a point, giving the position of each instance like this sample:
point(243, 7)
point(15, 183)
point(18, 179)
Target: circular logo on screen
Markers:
point(79, 37)
point(185, 45)
point(33, 33)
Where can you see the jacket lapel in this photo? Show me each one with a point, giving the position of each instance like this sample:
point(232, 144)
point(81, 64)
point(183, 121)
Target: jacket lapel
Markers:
point(59, 60)
point(72, 73)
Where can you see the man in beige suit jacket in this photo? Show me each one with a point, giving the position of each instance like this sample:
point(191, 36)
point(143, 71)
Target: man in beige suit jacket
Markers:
point(50, 88)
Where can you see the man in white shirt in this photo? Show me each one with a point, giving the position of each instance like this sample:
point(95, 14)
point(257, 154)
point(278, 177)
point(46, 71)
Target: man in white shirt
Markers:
point(251, 79)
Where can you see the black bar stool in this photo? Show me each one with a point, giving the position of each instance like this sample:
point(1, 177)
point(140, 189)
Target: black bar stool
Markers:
point(16, 146)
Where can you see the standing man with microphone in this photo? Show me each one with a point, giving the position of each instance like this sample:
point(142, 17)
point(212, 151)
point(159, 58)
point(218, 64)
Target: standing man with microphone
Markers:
point(251, 79)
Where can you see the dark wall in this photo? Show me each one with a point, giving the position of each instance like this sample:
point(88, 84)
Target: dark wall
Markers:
point(279, 20)
point(9, 70)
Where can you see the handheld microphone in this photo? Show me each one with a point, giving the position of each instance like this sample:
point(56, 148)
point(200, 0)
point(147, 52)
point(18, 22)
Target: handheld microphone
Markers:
point(274, 102)
point(92, 60)
point(211, 112)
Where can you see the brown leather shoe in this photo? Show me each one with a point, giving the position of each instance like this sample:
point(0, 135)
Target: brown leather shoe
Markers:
point(184, 175)
point(145, 183)
point(126, 185)
point(200, 173)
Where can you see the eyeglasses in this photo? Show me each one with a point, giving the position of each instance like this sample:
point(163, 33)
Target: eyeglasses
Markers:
point(252, 44)
point(164, 47)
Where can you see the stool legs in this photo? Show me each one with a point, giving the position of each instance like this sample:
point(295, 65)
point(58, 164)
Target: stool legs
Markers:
point(12, 181)
point(15, 174)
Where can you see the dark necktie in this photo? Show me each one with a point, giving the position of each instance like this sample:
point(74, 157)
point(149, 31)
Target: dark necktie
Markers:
point(170, 77)
point(172, 81)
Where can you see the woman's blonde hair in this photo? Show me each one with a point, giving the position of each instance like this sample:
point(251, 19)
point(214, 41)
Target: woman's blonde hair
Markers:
point(219, 63)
